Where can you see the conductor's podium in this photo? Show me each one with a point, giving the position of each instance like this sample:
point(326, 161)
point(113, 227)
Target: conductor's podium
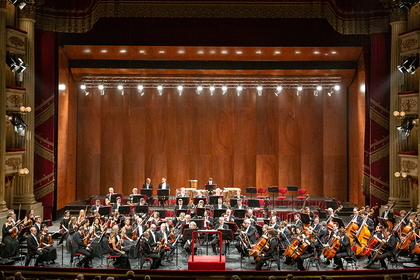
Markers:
point(207, 262)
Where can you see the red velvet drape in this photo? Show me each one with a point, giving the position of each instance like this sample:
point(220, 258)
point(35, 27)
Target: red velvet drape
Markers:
point(376, 155)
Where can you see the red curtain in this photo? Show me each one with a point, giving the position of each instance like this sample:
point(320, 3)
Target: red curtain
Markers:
point(376, 50)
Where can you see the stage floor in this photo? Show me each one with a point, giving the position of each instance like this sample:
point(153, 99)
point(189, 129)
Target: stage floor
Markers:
point(180, 261)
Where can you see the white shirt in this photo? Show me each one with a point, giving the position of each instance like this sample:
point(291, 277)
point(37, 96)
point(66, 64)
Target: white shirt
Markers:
point(147, 186)
point(163, 186)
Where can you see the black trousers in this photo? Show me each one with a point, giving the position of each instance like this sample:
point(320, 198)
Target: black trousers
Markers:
point(87, 256)
point(383, 257)
point(156, 260)
point(39, 259)
point(337, 258)
point(265, 258)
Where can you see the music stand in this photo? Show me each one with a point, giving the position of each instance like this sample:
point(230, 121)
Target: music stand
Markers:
point(292, 189)
point(197, 200)
point(124, 210)
point(266, 221)
point(137, 197)
point(227, 235)
point(253, 203)
point(184, 227)
point(199, 211)
point(339, 221)
point(332, 204)
point(259, 229)
point(239, 222)
point(146, 192)
point(161, 194)
point(104, 210)
point(305, 219)
point(218, 212)
point(90, 219)
point(141, 209)
point(232, 226)
point(162, 213)
point(251, 190)
point(185, 200)
point(179, 211)
point(383, 222)
point(199, 223)
point(114, 197)
point(210, 188)
point(273, 190)
point(233, 202)
point(239, 213)
point(214, 199)
point(61, 242)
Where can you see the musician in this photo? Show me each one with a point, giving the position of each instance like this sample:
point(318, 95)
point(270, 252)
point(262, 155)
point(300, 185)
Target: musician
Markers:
point(388, 214)
point(200, 194)
point(251, 216)
point(115, 249)
point(359, 219)
point(415, 229)
point(182, 194)
point(307, 254)
point(116, 206)
point(310, 213)
point(96, 232)
point(180, 206)
point(199, 205)
point(273, 213)
point(127, 236)
point(331, 214)
point(316, 225)
point(207, 220)
point(131, 196)
point(229, 217)
point(33, 248)
point(142, 202)
point(72, 229)
point(187, 245)
point(323, 232)
point(163, 186)
point(220, 204)
point(238, 195)
point(273, 223)
point(82, 217)
point(64, 224)
point(210, 182)
point(220, 225)
point(403, 214)
point(108, 196)
point(272, 251)
point(38, 225)
point(369, 222)
point(249, 231)
point(388, 244)
point(139, 226)
point(218, 192)
point(11, 248)
point(95, 207)
point(154, 237)
point(170, 223)
point(155, 219)
point(115, 220)
point(147, 249)
point(164, 234)
point(30, 218)
point(180, 220)
point(298, 222)
point(148, 185)
point(344, 250)
point(48, 249)
point(285, 234)
point(239, 205)
point(80, 247)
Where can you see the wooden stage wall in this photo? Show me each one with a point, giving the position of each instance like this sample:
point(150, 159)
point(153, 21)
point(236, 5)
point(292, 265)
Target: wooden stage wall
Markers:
point(240, 141)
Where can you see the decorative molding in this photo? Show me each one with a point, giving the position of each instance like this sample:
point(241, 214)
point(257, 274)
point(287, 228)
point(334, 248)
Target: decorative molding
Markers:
point(408, 165)
point(14, 99)
point(15, 162)
point(409, 103)
point(29, 12)
point(15, 41)
point(410, 42)
point(344, 22)
point(406, 104)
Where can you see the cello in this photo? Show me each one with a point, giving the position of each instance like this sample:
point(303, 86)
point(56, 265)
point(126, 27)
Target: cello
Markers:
point(292, 247)
point(390, 225)
point(362, 235)
point(301, 250)
point(258, 246)
point(330, 222)
point(416, 249)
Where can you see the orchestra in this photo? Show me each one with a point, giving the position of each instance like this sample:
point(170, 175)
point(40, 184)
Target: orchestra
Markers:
point(305, 236)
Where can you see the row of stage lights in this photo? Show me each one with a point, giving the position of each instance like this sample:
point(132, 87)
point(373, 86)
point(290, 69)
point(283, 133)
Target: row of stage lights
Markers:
point(199, 89)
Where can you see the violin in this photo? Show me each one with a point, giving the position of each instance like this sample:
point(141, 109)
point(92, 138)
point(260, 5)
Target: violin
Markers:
point(50, 240)
point(14, 232)
point(134, 237)
point(172, 237)
point(41, 244)
point(207, 225)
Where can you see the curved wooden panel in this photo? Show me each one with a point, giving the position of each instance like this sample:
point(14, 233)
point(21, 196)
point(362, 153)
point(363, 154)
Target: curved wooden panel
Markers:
point(267, 167)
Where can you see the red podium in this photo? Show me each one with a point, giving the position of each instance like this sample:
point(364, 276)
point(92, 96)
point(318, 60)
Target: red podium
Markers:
point(207, 262)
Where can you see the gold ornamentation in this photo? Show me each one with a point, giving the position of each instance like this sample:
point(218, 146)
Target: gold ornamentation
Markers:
point(15, 162)
point(18, 42)
point(408, 165)
point(408, 103)
point(15, 99)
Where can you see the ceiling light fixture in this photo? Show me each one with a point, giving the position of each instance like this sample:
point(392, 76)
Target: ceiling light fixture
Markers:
point(199, 90)
point(259, 90)
point(160, 90)
point(180, 88)
point(224, 90)
point(212, 88)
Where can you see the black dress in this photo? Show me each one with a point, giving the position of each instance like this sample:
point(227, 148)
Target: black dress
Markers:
point(11, 248)
point(69, 237)
point(129, 246)
point(50, 251)
point(122, 261)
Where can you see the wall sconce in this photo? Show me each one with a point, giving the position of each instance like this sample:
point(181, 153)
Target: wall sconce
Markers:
point(23, 171)
point(23, 110)
point(399, 114)
point(403, 175)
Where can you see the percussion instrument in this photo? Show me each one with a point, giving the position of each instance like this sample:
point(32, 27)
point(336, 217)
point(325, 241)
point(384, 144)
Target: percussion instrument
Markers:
point(193, 184)
point(229, 193)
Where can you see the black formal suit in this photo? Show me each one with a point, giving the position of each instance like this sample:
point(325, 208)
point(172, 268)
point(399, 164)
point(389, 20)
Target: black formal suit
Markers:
point(38, 229)
point(33, 246)
point(242, 207)
point(359, 220)
point(180, 207)
point(254, 218)
point(80, 247)
point(148, 253)
point(343, 251)
point(389, 251)
point(285, 236)
point(390, 216)
point(317, 227)
point(94, 208)
point(153, 238)
point(150, 187)
point(251, 234)
point(215, 240)
point(298, 224)
point(370, 224)
point(236, 197)
point(230, 219)
point(167, 186)
point(322, 234)
point(271, 253)
point(115, 207)
point(220, 206)
point(210, 219)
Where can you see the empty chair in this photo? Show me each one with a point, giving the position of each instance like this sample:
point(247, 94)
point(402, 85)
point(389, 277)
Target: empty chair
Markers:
point(282, 191)
point(261, 191)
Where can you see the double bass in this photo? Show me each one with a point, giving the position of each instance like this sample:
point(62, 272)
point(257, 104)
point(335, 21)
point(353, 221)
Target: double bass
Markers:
point(390, 225)
point(330, 222)
point(362, 235)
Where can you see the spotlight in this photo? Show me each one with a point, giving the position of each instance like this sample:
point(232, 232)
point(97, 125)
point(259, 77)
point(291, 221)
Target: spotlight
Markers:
point(414, 65)
point(224, 90)
point(15, 63)
point(319, 88)
point(299, 88)
point(212, 88)
point(409, 65)
point(397, 174)
point(297, 93)
point(61, 87)
point(406, 126)
point(336, 87)
point(101, 88)
point(180, 88)
point(19, 3)
point(259, 90)
point(21, 67)
point(330, 93)
point(83, 87)
point(120, 87)
point(199, 89)
point(18, 122)
point(239, 89)
point(279, 88)
point(160, 90)
point(407, 4)
point(140, 88)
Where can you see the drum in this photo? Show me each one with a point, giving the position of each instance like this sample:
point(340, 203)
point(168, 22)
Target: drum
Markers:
point(191, 192)
point(193, 183)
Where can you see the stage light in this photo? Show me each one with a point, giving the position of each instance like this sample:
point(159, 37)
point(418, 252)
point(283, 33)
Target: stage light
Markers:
point(259, 90)
point(160, 90)
point(336, 87)
point(19, 3)
point(180, 88)
point(83, 87)
point(404, 174)
point(15, 63)
point(409, 65)
point(297, 93)
point(120, 87)
point(239, 89)
point(212, 88)
point(61, 87)
point(224, 90)
point(319, 88)
point(407, 4)
point(101, 87)
point(140, 87)
point(330, 93)
point(23, 171)
point(397, 174)
point(299, 88)
point(406, 126)
point(21, 67)
point(413, 66)
point(363, 88)
point(279, 88)
point(199, 89)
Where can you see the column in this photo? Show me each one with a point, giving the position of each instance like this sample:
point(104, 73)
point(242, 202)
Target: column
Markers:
point(24, 187)
point(3, 14)
point(398, 189)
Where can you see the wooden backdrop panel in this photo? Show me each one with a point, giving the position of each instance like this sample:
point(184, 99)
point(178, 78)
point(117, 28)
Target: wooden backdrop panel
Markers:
point(244, 134)
point(178, 171)
point(289, 171)
point(267, 167)
point(335, 177)
point(200, 169)
point(244, 171)
point(222, 170)
point(312, 170)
